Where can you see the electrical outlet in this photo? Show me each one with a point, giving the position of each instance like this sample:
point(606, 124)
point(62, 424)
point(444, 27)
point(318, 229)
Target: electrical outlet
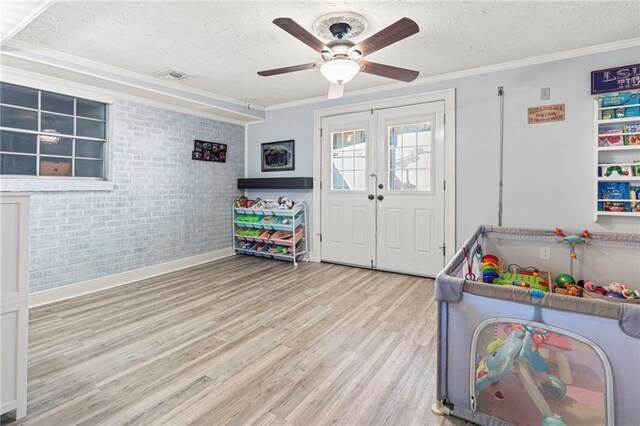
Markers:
point(545, 253)
point(545, 93)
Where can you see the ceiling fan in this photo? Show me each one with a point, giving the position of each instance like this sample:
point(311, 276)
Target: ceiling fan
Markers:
point(342, 58)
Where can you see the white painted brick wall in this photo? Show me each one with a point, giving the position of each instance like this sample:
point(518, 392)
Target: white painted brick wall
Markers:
point(164, 206)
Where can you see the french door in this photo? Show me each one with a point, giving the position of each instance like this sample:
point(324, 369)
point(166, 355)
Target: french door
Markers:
point(383, 189)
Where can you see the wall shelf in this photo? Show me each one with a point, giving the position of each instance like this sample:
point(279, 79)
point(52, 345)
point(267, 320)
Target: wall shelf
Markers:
point(276, 183)
point(617, 160)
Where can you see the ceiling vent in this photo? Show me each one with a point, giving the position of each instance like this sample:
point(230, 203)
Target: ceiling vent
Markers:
point(172, 75)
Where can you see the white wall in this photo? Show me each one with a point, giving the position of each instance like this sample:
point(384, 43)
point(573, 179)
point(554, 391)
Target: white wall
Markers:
point(548, 167)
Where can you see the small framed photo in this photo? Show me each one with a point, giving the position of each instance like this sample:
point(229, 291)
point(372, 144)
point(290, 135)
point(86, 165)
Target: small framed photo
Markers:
point(209, 151)
point(278, 156)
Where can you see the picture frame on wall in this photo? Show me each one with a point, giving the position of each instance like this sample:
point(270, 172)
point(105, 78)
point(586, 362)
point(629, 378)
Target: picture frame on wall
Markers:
point(209, 151)
point(278, 156)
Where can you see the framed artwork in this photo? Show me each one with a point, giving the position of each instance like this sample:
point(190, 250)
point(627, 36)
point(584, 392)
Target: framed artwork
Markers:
point(209, 151)
point(278, 156)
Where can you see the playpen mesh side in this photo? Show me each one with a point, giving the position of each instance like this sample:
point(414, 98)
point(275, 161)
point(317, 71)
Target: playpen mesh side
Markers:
point(528, 373)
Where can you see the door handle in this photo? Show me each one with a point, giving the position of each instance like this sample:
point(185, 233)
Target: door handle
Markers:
point(380, 198)
point(380, 186)
point(371, 197)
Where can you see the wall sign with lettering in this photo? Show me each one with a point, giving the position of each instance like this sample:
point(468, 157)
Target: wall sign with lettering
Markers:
point(614, 79)
point(546, 113)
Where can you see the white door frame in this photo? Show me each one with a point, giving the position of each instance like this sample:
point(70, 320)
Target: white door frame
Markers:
point(449, 98)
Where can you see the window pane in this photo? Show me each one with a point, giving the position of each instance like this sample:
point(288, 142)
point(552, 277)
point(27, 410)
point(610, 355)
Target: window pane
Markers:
point(17, 164)
point(348, 140)
point(56, 103)
point(52, 123)
point(55, 145)
point(336, 172)
point(337, 140)
point(18, 118)
point(18, 142)
point(89, 168)
point(90, 128)
point(402, 180)
point(18, 95)
point(90, 149)
point(424, 159)
point(424, 180)
point(360, 180)
point(90, 109)
point(52, 166)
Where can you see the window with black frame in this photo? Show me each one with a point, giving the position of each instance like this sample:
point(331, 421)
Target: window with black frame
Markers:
point(50, 134)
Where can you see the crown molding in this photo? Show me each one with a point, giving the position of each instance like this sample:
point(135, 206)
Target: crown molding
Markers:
point(58, 85)
point(168, 90)
point(54, 54)
point(27, 20)
point(535, 60)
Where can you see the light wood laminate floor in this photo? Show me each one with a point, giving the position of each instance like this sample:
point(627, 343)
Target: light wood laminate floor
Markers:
point(242, 340)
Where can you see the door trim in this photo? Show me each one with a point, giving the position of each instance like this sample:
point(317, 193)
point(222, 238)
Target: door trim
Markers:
point(449, 98)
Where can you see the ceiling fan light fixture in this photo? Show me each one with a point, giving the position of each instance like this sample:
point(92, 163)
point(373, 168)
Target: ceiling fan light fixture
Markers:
point(339, 70)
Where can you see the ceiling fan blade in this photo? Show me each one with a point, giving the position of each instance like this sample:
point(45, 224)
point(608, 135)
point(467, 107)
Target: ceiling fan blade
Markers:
point(335, 90)
point(402, 29)
point(293, 28)
point(286, 70)
point(388, 71)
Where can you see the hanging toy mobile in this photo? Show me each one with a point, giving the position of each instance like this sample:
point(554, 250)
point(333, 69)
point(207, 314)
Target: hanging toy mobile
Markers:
point(573, 240)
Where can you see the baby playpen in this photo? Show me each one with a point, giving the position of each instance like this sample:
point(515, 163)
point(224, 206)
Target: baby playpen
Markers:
point(514, 355)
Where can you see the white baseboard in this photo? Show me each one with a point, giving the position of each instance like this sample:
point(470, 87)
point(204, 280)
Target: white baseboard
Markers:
point(74, 290)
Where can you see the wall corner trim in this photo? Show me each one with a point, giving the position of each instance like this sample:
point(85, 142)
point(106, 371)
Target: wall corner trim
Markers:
point(87, 287)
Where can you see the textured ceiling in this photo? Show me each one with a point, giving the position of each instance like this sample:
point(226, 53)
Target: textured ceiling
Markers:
point(223, 44)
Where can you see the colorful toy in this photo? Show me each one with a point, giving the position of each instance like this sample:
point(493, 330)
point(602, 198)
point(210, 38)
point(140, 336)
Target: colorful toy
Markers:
point(517, 353)
point(522, 280)
point(285, 203)
point(564, 279)
point(573, 240)
point(490, 268)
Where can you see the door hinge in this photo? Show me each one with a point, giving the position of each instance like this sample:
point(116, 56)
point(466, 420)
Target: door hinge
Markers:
point(320, 237)
point(320, 184)
point(444, 185)
point(372, 263)
point(320, 132)
point(443, 247)
point(445, 118)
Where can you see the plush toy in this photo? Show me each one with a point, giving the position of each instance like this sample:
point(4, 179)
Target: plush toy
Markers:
point(285, 203)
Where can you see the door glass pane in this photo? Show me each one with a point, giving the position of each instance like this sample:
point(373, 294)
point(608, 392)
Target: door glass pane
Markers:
point(90, 109)
point(53, 123)
point(359, 182)
point(17, 164)
point(410, 157)
point(18, 95)
point(348, 160)
point(17, 142)
point(89, 149)
point(18, 118)
point(55, 145)
point(424, 179)
point(89, 168)
point(57, 103)
point(55, 166)
point(90, 128)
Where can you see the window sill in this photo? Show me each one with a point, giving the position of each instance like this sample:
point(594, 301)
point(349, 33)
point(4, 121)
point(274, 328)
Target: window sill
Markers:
point(53, 184)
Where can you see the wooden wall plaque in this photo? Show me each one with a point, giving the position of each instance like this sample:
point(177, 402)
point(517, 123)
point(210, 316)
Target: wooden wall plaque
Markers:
point(546, 114)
